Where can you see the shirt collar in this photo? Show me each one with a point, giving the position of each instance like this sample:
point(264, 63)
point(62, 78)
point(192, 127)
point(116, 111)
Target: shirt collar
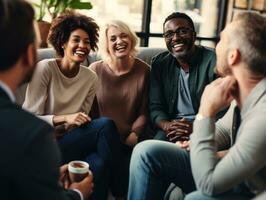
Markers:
point(8, 91)
point(256, 93)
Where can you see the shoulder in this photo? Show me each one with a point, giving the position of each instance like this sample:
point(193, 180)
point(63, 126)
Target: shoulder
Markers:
point(88, 73)
point(46, 66)
point(143, 66)
point(206, 52)
point(23, 124)
point(162, 57)
point(96, 66)
point(46, 63)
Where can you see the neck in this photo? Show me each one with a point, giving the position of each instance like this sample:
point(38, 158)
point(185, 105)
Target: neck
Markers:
point(246, 82)
point(10, 83)
point(184, 60)
point(69, 69)
point(184, 66)
point(122, 65)
point(14, 76)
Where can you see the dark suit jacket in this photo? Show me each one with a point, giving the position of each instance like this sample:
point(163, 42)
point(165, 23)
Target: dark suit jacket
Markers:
point(29, 156)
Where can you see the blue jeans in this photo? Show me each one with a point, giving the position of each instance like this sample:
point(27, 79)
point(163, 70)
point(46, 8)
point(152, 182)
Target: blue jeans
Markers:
point(96, 143)
point(156, 164)
point(227, 196)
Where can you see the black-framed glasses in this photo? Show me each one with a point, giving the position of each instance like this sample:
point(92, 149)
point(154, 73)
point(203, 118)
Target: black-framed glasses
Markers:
point(180, 32)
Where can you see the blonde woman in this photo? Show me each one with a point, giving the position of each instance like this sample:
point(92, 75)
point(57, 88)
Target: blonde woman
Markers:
point(123, 92)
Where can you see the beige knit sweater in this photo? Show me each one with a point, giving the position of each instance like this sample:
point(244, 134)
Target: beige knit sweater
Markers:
point(51, 93)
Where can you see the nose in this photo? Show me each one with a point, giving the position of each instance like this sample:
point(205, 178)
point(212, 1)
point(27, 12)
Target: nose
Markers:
point(176, 36)
point(119, 40)
point(83, 44)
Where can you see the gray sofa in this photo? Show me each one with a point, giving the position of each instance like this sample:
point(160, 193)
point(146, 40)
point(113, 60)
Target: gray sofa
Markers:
point(144, 53)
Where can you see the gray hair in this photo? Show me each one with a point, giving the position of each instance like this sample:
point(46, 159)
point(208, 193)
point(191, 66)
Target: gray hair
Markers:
point(250, 38)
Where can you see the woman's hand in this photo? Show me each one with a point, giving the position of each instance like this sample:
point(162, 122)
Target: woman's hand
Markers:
point(71, 120)
point(76, 119)
point(131, 139)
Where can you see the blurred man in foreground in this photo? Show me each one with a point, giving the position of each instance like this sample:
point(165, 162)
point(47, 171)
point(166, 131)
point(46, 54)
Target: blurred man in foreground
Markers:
point(29, 156)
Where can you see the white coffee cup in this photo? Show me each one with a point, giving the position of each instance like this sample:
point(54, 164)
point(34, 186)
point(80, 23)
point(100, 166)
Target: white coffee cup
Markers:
point(78, 170)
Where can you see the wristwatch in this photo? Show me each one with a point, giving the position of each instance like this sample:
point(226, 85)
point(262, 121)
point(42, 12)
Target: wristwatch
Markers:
point(199, 116)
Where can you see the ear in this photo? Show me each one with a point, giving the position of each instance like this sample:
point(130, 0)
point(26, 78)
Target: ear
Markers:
point(29, 56)
point(233, 57)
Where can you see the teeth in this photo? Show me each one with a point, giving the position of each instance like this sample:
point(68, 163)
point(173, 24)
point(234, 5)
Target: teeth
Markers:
point(178, 45)
point(121, 47)
point(80, 52)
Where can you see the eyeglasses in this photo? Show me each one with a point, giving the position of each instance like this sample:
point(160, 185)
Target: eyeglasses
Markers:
point(180, 32)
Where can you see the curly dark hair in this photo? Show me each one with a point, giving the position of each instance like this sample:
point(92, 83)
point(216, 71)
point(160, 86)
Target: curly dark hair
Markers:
point(175, 15)
point(65, 24)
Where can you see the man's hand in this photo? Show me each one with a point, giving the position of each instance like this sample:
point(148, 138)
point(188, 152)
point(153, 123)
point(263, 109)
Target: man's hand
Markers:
point(217, 96)
point(184, 144)
point(85, 186)
point(64, 178)
point(177, 129)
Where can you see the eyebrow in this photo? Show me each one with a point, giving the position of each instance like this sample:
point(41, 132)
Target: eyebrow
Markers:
point(181, 27)
point(77, 36)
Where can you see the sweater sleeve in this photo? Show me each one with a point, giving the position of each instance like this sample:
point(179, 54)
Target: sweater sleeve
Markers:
point(223, 129)
point(37, 92)
point(157, 103)
point(244, 159)
point(139, 124)
point(91, 94)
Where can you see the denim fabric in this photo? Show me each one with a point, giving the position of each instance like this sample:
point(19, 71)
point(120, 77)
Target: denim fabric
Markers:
point(98, 144)
point(154, 165)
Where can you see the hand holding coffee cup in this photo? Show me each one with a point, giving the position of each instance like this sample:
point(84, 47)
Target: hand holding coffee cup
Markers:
point(78, 170)
point(80, 177)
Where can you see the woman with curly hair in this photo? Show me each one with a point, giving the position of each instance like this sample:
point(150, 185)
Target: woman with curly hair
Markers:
point(62, 91)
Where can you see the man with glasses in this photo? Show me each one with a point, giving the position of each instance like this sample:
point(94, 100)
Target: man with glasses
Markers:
point(178, 77)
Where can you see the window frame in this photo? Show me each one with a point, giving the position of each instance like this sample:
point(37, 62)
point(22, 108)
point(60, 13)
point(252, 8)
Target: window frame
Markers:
point(145, 33)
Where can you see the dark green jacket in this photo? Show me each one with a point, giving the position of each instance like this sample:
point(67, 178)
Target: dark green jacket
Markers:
point(164, 81)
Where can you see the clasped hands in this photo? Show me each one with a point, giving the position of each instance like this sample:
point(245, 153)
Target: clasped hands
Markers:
point(216, 96)
point(177, 129)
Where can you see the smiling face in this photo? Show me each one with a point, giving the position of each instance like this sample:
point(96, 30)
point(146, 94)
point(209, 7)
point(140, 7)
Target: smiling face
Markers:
point(179, 37)
point(77, 48)
point(119, 43)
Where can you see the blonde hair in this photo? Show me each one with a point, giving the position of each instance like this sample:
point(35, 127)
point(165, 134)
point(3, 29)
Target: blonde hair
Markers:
point(121, 26)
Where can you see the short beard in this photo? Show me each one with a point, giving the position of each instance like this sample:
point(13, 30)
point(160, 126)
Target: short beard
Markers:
point(181, 55)
point(187, 53)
